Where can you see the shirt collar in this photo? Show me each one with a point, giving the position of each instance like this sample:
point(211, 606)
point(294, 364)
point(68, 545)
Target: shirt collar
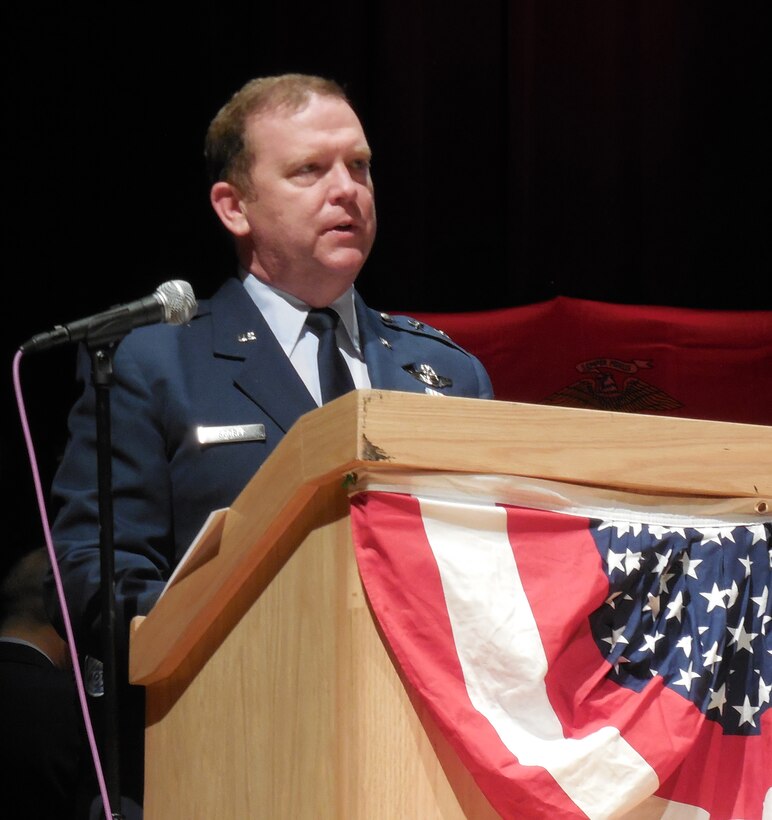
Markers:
point(22, 642)
point(286, 315)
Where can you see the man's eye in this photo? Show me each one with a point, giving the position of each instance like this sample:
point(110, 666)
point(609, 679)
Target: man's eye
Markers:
point(308, 168)
point(361, 164)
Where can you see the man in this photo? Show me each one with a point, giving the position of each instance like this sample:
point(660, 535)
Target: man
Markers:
point(43, 752)
point(291, 183)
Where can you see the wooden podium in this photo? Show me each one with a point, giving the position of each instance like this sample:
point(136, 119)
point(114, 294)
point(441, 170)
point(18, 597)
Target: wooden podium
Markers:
point(270, 693)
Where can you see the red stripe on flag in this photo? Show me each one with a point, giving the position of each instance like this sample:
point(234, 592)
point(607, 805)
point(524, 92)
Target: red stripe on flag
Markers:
point(404, 588)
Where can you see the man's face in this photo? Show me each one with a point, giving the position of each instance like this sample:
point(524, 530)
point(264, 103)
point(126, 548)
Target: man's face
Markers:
point(310, 213)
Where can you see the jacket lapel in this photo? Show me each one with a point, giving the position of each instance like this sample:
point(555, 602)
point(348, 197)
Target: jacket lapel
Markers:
point(267, 377)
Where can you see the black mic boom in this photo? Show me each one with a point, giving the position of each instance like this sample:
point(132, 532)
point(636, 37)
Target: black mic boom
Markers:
point(172, 302)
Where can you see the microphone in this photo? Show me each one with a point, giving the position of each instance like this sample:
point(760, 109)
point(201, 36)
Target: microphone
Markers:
point(172, 302)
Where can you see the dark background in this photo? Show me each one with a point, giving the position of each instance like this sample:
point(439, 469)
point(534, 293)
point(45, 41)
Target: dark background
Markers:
point(603, 150)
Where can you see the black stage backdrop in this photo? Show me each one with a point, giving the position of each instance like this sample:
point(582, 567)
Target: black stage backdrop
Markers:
point(522, 149)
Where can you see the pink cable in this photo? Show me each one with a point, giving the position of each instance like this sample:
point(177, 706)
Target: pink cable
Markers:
point(59, 587)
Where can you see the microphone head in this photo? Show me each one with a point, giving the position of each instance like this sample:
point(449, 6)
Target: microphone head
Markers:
point(178, 302)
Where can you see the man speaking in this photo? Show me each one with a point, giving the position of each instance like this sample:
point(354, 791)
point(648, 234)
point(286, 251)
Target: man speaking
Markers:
point(287, 331)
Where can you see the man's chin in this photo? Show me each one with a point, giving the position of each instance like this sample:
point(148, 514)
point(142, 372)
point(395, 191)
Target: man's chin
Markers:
point(345, 265)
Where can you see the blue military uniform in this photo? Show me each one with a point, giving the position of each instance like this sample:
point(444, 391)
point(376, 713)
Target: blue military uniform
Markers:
point(224, 368)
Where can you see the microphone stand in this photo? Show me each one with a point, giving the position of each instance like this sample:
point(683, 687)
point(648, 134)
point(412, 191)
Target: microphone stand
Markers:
point(102, 379)
point(172, 302)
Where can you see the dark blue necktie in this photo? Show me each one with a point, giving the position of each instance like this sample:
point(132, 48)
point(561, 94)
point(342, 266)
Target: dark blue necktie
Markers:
point(334, 375)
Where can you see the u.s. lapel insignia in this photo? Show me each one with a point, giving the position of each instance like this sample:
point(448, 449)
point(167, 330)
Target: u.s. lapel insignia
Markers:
point(425, 373)
point(249, 336)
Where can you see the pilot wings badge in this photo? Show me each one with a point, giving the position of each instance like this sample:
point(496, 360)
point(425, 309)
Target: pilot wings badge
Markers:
point(425, 373)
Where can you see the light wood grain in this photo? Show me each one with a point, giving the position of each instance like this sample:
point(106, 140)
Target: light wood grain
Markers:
point(298, 711)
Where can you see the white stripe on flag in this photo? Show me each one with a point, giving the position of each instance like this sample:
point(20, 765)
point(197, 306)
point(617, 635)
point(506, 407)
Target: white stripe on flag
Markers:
point(504, 665)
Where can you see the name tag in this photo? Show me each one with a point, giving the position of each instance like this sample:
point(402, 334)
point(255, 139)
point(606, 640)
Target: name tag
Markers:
point(234, 432)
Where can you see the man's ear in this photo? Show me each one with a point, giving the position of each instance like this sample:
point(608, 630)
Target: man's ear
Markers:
point(228, 203)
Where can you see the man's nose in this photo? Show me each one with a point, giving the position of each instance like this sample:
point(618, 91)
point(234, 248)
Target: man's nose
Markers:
point(342, 184)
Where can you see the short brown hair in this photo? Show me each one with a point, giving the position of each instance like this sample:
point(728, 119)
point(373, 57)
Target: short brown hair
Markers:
point(21, 589)
point(228, 156)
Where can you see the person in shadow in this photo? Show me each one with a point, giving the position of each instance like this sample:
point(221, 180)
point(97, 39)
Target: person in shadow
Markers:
point(44, 758)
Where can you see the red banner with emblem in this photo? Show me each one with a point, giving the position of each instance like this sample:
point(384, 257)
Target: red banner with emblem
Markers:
point(703, 364)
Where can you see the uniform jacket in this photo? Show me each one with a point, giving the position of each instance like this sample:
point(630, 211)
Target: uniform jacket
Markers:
point(223, 368)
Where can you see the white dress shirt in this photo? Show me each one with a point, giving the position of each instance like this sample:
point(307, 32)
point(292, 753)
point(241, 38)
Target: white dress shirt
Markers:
point(286, 316)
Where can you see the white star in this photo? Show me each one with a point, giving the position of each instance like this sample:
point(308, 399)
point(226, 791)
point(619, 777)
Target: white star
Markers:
point(731, 595)
point(620, 660)
point(690, 564)
point(652, 605)
point(650, 642)
point(711, 656)
point(663, 581)
point(765, 691)
point(759, 534)
point(662, 562)
point(747, 712)
point(686, 644)
point(746, 562)
point(728, 533)
point(622, 527)
point(718, 698)
point(742, 638)
point(711, 534)
point(686, 677)
point(610, 599)
point(632, 561)
point(761, 601)
point(715, 598)
point(614, 561)
point(674, 607)
point(616, 637)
